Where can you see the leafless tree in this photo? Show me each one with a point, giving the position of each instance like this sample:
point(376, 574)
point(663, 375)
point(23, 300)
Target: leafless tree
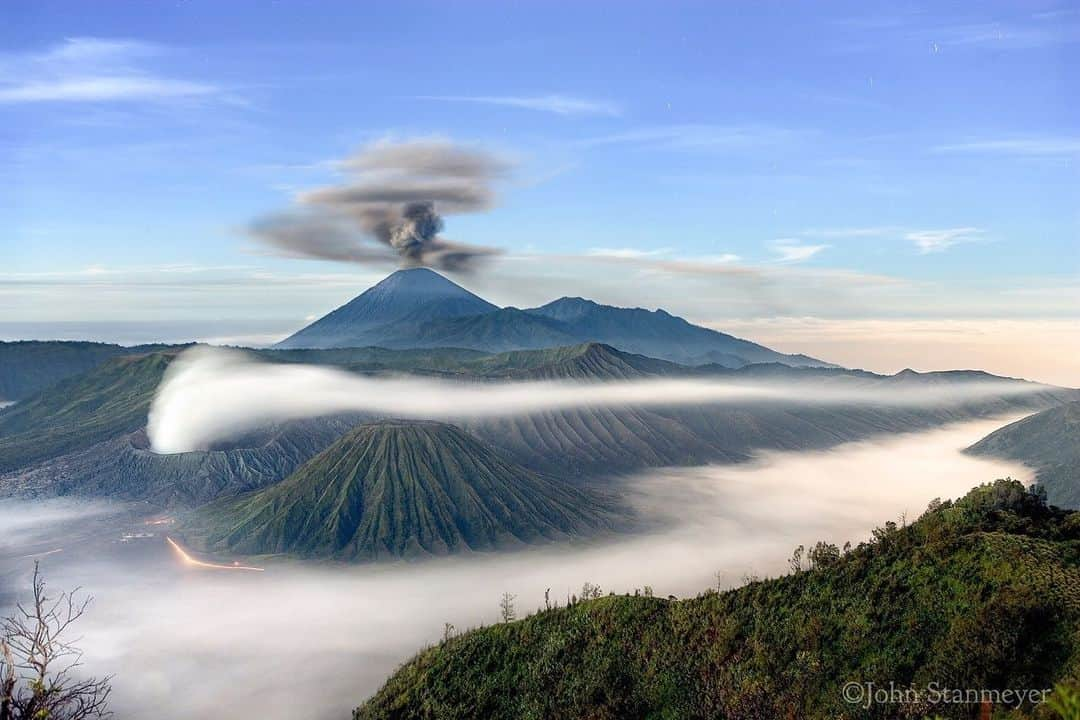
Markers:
point(39, 661)
point(590, 591)
point(795, 562)
point(506, 607)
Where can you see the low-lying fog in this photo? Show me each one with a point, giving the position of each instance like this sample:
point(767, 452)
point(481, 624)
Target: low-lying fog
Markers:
point(314, 640)
point(212, 394)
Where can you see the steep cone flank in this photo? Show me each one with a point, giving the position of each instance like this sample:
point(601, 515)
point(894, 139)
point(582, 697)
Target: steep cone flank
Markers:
point(402, 489)
point(415, 295)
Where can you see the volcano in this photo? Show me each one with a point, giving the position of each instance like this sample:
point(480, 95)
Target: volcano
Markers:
point(412, 296)
point(419, 308)
point(404, 489)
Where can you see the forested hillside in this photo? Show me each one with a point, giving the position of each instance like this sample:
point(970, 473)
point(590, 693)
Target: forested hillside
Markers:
point(980, 593)
point(1048, 441)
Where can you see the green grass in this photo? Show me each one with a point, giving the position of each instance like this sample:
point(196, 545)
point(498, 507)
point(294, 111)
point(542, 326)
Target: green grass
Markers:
point(983, 593)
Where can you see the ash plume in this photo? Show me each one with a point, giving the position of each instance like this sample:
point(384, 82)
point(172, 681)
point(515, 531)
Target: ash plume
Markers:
point(392, 208)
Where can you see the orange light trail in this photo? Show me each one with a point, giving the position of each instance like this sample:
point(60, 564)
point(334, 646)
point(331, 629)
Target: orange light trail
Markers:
point(186, 559)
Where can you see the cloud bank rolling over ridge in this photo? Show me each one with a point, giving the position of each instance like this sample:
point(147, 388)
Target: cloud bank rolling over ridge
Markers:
point(210, 394)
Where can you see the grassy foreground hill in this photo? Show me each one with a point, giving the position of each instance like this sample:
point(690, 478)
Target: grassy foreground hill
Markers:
point(1048, 441)
point(980, 593)
point(403, 489)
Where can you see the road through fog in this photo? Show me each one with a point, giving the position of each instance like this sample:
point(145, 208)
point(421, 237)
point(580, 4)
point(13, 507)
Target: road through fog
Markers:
point(312, 641)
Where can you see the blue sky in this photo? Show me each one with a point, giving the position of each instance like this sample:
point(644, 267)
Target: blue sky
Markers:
point(871, 162)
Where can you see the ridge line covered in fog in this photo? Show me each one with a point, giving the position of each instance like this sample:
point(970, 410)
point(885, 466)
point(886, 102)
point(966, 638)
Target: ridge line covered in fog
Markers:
point(210, 394)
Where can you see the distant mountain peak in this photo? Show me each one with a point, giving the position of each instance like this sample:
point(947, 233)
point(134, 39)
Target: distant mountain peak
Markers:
point(574, 300)
point(659, 334)
point(418, 294)
point(418, 308)
point(418, 278)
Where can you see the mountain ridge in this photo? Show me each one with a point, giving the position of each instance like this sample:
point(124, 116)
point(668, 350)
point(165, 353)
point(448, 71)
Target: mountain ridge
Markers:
point(66, 440)
point(28, 366)
point(418, 308)
point(1049, 442)
point(108, 400)
point(658, 333)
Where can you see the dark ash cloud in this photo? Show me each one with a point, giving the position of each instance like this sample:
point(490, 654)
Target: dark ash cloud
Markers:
point(392, 208)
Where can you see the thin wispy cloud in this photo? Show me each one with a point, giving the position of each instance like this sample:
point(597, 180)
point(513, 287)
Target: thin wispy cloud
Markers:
point(933, 241)
point(556, 104)
point(628, 252)
point(92, 70)
point(938, 35)
point(1019, 36)
point(793, 250)
point(926, 241)
point(720, 259)
point(1024, 146)
point(698, 137)
point(852, 232)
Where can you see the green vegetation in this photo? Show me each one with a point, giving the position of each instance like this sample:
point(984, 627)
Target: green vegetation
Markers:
point(402, 489)
point(106, 402)
point(587, 361)
point(371, 360)
point(1048, 441)
point(27, 366)
point(125, 469)
point(980, 593)
point(91, 423)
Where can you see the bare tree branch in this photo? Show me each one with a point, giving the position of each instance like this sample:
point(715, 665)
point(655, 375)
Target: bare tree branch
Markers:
point(37, 658)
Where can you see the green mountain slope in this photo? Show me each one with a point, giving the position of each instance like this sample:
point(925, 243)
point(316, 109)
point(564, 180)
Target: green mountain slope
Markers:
point(374, 360)
point(587, 361)
point(983, 593)
point(1048, 441)
point(585, 441)
point(106, 402)
point(403, 489)
point(124, 468)
point(27, 366)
